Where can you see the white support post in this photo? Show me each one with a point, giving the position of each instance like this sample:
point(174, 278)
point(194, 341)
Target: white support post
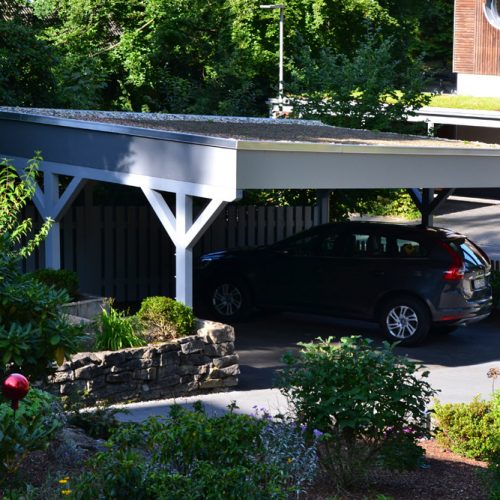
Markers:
point(53, 240)
point(184, 251)
point(184, 233)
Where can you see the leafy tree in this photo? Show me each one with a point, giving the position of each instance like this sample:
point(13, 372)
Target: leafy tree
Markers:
point(367, 90)
point(25, 60)
point(217, 56)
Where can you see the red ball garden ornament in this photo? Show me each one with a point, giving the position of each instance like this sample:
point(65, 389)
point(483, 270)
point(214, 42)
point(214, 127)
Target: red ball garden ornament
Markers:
point(15, 387)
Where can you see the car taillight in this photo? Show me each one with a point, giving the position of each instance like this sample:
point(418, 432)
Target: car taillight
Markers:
point(457, 269)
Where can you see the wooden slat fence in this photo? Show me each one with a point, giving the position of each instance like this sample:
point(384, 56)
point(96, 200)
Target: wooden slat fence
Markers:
point(124, 252)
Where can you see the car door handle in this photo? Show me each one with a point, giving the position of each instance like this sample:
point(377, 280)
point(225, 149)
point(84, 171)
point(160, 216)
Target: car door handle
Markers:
point(379, 273)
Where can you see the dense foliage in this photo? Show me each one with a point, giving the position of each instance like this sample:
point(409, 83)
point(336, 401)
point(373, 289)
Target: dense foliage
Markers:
point(369, 402)
point(470, 429)
point(215, 57)
point(33, 334)
point(60, 279)
point(192, 455)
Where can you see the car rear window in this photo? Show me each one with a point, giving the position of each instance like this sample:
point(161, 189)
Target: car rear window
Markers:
point(470, 254)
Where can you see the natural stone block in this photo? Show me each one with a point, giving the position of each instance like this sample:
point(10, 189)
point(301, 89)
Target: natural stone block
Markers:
point(217, 333)
point(82, 359)
point(61, 377)
point(194, 359)
point(169, 358)
point(223, 349)
point(210, 384)
point(194, 346)
point(187, 370)
point(170, 380)
point(228, 371)
point(86, 372)
point(118, 378)
point(226, 361)
point(145, 374)
point(96, 383)
point(167, 371)
point(72, 387)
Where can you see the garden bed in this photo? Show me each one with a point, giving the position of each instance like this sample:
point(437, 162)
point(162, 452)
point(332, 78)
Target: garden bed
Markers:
point(196, 364)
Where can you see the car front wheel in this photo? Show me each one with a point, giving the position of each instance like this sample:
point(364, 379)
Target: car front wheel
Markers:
point(406, 320)
point(230, 301)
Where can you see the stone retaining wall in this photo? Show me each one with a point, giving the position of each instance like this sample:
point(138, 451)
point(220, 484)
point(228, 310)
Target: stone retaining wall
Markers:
point(201, 363)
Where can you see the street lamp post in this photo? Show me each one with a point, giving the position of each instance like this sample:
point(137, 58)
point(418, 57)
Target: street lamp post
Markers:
point(281, 8)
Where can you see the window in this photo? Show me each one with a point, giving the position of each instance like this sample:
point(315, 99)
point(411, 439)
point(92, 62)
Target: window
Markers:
point(409, 249)
point(368, 245)
point(492, 12)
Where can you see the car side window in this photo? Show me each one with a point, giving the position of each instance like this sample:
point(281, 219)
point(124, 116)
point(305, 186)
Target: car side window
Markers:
point(305, 246)
point(410, 249)
point(367, 245)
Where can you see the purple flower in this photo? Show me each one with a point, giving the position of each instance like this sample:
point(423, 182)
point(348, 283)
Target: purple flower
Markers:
point(317, 433)
point(303, 428)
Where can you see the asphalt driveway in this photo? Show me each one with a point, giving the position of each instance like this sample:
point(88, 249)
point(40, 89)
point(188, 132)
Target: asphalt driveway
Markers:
point(458, 362)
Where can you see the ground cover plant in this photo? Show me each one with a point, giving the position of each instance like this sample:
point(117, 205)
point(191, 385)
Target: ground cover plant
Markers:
point(192, 455)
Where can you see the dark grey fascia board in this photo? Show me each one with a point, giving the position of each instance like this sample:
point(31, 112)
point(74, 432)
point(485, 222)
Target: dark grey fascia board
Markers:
point(143, 160)
point(114, 128)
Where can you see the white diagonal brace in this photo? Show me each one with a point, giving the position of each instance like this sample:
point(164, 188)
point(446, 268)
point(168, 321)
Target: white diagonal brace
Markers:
point(209, 214)
point(162, 210)
point(73, 189)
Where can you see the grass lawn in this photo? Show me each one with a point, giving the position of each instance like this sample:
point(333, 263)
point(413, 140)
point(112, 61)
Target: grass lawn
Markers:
point(465, 102)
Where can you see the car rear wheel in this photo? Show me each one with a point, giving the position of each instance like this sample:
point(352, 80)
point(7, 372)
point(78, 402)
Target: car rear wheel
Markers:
point(230, 300)
point(405, 320)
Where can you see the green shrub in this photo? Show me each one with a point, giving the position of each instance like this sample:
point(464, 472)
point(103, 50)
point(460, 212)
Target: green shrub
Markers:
point(191, 455)
point(60, 279)
point(470, 429)
point(165, 318)
point(115, 331)
point(369, 402)
point(38, 418)
point(492, 477)
point(32, 332)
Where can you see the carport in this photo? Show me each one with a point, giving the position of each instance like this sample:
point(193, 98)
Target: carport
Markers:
point(215, 159)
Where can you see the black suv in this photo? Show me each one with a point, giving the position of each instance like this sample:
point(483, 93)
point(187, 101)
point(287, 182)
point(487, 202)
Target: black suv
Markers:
point(411, 279)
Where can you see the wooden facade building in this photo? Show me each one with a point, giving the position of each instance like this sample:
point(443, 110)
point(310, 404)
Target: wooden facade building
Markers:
point(476, 48)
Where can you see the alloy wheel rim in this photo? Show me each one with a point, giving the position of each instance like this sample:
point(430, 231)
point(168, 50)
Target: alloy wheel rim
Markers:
point(402, 322)
point(227, 299)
